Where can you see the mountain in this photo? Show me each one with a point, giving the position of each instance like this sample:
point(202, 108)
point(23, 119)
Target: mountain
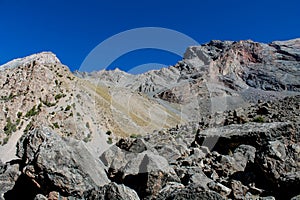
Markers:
point(221, 123)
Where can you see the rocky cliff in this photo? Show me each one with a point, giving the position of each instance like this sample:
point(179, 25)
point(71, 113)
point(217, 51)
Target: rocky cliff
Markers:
point(223, 123)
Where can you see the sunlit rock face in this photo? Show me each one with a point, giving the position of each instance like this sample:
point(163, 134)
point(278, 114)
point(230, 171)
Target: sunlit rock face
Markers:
point(221, 123)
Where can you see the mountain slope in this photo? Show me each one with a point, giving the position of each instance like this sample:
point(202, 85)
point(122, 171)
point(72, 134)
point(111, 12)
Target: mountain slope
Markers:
point(221, 123)
point(213, 77)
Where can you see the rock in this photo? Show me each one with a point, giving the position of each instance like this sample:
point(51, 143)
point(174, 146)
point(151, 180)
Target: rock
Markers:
point(190, 193)
point(55, 196)
point(40, 197)
point(171, 187)
point(9, 175)
point(216, 165)
point(138, 146)
point(111, 191)
point(152, 169)
point(227, 138)
point(279, 164)
point(50, 161)
point(263, 110)
point(243, 155)
point(200, 179)
point(296, 197)
point(267, 198)
point(238, 189)
point(166, 146)
point(146, 172)
point(218, 187)
point(115, 158)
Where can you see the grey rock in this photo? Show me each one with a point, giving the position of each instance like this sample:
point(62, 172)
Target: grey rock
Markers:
point(280, 166)
point(296, 197)
point(171, 187)
point(115, 157)
point(230, 137)
point(40, 197)
point(65, 164)
point(267, 198)
point(167, 146)
point(9, 175)
point(238, 189)
point(220, 188)
point(200, 179)
point(190, 193)
point(146, 172)
point(111, 191)
point(243, 155)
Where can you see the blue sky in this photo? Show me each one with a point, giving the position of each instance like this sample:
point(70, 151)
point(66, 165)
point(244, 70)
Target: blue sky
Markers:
point(71, 29)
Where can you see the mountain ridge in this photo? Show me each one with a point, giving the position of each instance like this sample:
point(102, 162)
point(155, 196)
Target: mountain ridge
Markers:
point(163, 123)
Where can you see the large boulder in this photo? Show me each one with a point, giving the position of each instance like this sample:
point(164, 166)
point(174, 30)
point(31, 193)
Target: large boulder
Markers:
point(56, 164)
point(143, 170)
point(111, 191)
point(228, 138)
point(9, 174)
point(189, 193)
point(280, 165)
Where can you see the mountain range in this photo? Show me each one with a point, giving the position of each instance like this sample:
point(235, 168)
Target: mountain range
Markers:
point(97, 135)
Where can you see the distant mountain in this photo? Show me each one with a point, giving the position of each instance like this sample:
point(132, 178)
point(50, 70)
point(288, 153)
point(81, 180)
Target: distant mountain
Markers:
point(45, 107)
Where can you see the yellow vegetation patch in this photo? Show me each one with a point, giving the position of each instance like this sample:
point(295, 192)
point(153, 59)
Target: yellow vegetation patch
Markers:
point(138, 120)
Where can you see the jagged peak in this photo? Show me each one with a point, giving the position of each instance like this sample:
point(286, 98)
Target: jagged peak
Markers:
point(292, 43)
point(38, 58)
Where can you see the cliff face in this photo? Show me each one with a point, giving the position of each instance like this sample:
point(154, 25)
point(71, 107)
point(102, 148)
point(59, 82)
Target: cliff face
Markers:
point(215, 76)
point(221, 123)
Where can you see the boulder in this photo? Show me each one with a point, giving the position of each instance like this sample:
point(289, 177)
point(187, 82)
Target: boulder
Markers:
point(9, 174)
point(189, 193)
point(111, 191)
point(223, 139)
point(146, 172)
point(51, 162)
point(279, 163)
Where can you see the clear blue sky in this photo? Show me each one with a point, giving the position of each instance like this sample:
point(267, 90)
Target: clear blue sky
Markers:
point(71, 29)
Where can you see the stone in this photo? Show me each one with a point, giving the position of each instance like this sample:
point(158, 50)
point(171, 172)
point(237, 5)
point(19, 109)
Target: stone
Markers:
point(279, 164)
point(111, 191)
point(243, 155)
point(230, 137)
point(238, 189)
point(190, 193)
point(296, 197)
point(40, 197)
point(64, 164)
point(146, 172)
point(200, 179)
point(218, 187)
point(9, 175)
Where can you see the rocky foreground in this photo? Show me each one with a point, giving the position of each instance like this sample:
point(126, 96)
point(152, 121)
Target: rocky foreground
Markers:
point(223, 123)
point(249, 158)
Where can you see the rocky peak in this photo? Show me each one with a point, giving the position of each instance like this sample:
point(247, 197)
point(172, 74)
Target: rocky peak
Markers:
point(39, 58)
